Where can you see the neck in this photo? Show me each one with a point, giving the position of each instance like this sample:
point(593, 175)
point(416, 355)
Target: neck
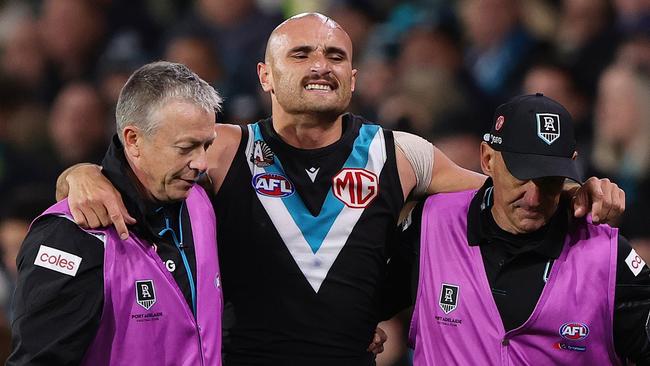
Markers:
point(137, 177)
point(501, 220)
point(308, 131)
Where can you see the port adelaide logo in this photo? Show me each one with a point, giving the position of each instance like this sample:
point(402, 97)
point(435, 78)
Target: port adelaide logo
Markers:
point(448, 298)
point(262, 155)
point(548, 127)
point(145, 294)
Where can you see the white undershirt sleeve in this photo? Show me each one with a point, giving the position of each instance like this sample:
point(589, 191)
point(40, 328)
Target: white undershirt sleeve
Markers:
point(419, 153)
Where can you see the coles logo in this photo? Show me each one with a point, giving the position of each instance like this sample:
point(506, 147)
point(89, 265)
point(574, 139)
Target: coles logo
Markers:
point(574, 331)
point(273, 185)
point(355, 187)
point(57, 260)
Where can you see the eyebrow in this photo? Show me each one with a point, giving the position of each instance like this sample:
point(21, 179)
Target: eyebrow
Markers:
point(328, 50)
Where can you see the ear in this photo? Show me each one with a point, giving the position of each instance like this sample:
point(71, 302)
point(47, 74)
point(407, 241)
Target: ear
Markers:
point(354, 79)
point(132, 137)
point(488, 159)
point(265, 76)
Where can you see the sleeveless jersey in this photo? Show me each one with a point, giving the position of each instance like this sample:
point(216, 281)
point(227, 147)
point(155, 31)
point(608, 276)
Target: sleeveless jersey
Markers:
point(456, 322)
point(303, 236)
point(145, 318)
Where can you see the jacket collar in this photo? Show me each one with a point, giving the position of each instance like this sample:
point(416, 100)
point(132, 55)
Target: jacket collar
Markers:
point(150, 215)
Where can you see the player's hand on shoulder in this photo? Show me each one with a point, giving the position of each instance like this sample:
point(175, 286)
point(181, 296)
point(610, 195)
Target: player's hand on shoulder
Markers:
point(602, 198)
point(94, 202)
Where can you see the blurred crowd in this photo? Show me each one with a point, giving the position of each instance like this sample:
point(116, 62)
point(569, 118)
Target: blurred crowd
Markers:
point(437, 68)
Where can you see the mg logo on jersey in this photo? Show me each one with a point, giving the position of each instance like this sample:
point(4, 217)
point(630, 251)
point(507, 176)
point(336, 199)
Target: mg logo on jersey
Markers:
point(145, 294)
point(355, 187)
point(272, 185)
point(448, 298)
point(574, 331)
point(548, 127)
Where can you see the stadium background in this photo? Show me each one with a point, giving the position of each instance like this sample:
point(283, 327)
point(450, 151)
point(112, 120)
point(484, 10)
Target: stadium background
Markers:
point(437, 68)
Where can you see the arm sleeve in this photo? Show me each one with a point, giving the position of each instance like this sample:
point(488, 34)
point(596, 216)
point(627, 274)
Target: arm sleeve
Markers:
point(632, 307)
point(56, 314)
point(419, 153)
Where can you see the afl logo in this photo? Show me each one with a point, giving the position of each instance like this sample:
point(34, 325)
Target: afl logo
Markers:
point(357, 188)
point(574, 331)
point(272, 185)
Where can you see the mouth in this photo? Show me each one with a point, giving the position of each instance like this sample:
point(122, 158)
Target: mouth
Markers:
point(320, 85)
point(530, 213)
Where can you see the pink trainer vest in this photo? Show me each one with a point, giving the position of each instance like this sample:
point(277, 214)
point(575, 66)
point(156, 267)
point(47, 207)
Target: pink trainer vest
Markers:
point(145, 318)
point(456, 322)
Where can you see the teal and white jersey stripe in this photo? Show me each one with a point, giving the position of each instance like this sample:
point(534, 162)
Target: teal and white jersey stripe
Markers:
point(316, 241)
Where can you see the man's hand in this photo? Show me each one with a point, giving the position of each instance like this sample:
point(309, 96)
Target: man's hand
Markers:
point(377, 345)
point(600, 197)
point(94, 202)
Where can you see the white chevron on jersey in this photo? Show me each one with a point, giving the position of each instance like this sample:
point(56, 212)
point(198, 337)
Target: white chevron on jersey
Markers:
point(316, 265)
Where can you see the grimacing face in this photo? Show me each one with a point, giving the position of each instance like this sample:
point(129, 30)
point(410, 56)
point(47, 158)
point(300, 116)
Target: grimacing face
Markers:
point(309, 67)
point(520, 206)
point(169, 161)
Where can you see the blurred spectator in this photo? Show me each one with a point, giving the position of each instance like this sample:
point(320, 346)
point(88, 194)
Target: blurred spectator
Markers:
point(632, 15)
point(622, 129)
point(459, 134)
point(123, 55)
point(198, 54)
point(354, 17)
point(635, 51)
point(18, 165)
point(421, 97)
point(73, 32)
point(586, 39)
point(78, 125)
point(22, 206)
point(500, 47)
point(375, 76)
point(23, 57)
point(239, 30)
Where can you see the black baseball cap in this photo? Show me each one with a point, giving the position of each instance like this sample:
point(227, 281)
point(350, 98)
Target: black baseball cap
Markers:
point(535, 136)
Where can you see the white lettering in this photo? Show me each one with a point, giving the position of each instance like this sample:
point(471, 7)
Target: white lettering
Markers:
point(548, 123)
point(448, 295)
point(145, 290)
point(263, 184)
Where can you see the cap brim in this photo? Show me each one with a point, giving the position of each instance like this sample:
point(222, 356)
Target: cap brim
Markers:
point(530, 166)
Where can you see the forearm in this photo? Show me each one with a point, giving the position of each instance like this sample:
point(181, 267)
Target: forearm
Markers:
point(62, 186)
point(449, 177)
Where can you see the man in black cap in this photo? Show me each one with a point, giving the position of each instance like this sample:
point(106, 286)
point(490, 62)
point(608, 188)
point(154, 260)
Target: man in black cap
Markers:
point(506, 272)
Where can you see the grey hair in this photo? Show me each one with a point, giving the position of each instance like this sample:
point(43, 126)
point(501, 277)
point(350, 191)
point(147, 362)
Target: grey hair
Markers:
point(154, 84)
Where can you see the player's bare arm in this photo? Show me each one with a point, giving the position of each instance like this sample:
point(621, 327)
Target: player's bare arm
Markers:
point(221, 153)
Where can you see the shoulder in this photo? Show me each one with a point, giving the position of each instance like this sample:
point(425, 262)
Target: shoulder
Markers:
point(57, 244)
point(631, 268)
point(222, 152)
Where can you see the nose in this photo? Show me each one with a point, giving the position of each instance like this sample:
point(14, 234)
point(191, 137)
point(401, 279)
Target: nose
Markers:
point(533, 194)
point(321, 65)
point(199, 161)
